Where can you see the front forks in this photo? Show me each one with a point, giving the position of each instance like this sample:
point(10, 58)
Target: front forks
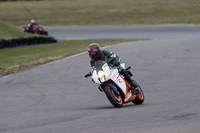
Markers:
point(114, 88)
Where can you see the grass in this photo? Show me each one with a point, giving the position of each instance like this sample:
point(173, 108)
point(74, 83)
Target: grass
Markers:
point(9, 31)
point(20, 58)
point(101, 12)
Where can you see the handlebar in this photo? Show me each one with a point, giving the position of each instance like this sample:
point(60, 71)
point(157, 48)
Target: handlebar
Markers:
point(128, 68)
point(111, 59)
point(88, 75)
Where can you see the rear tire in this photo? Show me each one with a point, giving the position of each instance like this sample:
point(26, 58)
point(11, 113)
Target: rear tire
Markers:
point(46, 33)
point(113, 98)
point(139, 98)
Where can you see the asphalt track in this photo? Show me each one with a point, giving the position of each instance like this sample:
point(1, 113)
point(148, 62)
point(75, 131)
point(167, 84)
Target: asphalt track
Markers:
point(121, 31)
point(56, 98)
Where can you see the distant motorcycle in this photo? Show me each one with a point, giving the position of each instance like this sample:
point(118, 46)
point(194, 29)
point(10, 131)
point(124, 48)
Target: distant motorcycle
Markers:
point(116, 88)
point(37, 29)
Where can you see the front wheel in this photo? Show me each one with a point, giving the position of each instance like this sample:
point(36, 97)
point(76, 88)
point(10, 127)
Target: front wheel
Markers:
point(115, 99)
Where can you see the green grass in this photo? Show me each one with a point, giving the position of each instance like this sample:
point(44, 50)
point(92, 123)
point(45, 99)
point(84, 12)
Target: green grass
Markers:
point(101, 12)
point(9, 31)
point(20, 58)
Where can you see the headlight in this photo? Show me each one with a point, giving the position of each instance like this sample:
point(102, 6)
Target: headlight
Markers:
point(100, 74)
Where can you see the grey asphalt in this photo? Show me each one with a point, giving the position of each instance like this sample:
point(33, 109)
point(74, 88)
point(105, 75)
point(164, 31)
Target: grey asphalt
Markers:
point(56, 98)
point(128, 31)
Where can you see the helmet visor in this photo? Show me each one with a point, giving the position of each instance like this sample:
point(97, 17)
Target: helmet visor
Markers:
point(92, 53)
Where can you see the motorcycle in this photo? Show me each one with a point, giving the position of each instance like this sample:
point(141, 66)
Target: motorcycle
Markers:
point(37, 29)
point(115, 86)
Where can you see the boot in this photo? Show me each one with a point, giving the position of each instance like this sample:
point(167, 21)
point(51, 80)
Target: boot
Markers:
point(135, 87)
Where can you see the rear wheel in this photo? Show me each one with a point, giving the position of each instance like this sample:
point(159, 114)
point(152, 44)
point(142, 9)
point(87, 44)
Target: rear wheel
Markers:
point(115, 99)
point(139, 97)
point(46, 33)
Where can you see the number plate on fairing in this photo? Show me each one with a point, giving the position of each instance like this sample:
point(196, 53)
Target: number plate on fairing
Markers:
point(121, 83)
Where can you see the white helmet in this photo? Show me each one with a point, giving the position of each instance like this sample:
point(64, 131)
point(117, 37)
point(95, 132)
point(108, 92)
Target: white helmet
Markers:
point(32, 21)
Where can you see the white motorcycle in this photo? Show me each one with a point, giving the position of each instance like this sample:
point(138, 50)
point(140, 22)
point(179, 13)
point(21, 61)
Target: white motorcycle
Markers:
point(116, 88)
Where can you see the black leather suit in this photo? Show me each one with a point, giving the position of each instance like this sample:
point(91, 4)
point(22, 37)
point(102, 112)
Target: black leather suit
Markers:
point(30, 27)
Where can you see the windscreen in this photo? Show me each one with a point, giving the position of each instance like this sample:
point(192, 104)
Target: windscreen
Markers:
point(99, 64)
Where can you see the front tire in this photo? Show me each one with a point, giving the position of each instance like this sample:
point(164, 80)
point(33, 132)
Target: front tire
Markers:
point(115, 99)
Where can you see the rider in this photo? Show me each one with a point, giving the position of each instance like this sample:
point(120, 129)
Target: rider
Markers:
point(30, 26)
point(96, 53)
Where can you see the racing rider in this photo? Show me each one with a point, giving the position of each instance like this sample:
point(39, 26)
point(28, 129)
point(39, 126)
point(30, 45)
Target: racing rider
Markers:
point(30, 26)
point(96, 53)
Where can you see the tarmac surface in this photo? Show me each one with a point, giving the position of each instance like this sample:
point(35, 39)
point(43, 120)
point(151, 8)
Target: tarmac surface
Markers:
point(125, 31)
point(56, 98)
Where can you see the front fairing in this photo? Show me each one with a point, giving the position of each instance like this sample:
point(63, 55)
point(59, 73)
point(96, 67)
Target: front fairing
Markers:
point(98, 67)
point(94, 77)
point(108, 74)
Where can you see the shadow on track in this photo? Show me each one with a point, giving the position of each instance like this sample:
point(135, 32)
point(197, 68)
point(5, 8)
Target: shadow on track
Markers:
point(110, 107)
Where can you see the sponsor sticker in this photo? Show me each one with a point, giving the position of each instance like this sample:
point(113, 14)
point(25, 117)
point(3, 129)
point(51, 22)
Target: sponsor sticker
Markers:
point(105, 65)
